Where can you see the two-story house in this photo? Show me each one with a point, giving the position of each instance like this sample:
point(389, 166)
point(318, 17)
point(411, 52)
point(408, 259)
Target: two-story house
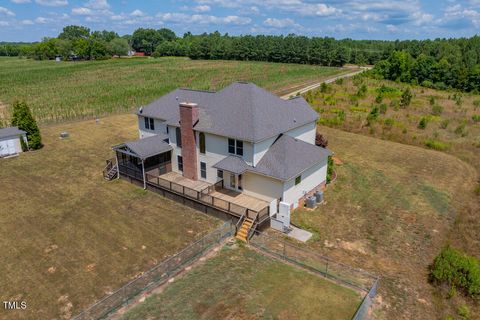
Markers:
point(255, 143)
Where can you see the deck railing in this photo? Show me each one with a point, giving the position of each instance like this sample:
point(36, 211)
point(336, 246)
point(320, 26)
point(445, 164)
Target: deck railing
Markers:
point(205, 196)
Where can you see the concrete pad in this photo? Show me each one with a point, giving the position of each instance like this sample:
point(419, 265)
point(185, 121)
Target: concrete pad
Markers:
point(299, 234)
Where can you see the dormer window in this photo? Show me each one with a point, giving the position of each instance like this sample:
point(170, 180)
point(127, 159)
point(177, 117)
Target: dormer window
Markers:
point(235, 147)
point(149, 123)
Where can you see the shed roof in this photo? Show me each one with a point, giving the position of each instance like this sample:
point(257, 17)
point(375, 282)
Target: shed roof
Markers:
point(10, 132)
point(146, 147)
point(242, 110)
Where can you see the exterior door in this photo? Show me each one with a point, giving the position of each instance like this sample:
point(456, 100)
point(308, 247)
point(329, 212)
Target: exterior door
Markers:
point(239, 186)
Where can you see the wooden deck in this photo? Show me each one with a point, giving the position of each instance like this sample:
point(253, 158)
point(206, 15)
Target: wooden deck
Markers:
point(217, 195)
point(240, 199)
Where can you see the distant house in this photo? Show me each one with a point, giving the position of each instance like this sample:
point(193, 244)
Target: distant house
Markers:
point(10, 141)
point(241, 149)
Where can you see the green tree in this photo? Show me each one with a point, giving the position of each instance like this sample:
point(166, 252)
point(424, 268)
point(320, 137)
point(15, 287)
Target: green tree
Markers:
point(23, 119)
point(74, 32)
point(118, 47)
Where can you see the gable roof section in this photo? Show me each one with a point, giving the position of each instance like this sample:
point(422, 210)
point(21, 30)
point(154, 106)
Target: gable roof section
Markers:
point(288, 157)
point(242, 110)
point(10, 132)
point(285, 159)
point(146, 147)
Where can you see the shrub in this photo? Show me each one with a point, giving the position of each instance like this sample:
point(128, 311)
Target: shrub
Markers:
point(426, 83)
point(394, 104)
point(464, 312)
point(423, 123)
point(324, 88)
point(476, 118)
point(436, 145)
point(339, 81)
point(379, 98)
point(23, 119)
point(406, 98)
point(362, 91)
point(388, 122)
point(432, 101)
point(330, 165)
point(383, 108)
point(456, 269)
point(373, 115)
point(320, 140)
point(460, 129)
point(444, 123)
point(476, 104)
point(437, 110)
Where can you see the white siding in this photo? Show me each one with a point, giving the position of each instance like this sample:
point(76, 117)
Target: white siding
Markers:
point(10, 145)
point(306, 132)
point(261, 148)
point(310, 179)
point(176, 150)
point(160, 127)
point(262, 187)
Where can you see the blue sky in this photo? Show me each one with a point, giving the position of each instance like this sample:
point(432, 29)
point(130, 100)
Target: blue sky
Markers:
point(30, 20)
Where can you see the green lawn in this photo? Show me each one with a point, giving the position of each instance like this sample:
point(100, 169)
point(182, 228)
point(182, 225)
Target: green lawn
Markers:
point(240, 283)
point(67, 90)
point(68, 237)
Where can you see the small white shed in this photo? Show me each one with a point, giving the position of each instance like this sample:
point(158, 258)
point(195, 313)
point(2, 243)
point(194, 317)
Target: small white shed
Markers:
point(10, 141)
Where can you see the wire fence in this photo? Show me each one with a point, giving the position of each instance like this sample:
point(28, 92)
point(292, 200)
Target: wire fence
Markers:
point(340, 273)
point(157, 275)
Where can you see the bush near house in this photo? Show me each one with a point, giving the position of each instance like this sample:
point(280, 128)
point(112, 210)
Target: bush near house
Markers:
point(23, 119)
point(330, 169)
point(457, 270)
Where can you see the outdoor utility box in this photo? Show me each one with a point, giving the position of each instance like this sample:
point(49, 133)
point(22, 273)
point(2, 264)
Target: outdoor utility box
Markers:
point(284, 214)
point(319, 196)
point(311, 202)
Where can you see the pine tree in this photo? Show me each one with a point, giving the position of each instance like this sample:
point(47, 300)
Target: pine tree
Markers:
point(23, 119)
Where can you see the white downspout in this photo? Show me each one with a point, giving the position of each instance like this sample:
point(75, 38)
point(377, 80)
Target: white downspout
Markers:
point(143, 172)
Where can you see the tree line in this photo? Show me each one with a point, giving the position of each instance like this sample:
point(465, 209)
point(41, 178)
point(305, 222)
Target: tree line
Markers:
point(439, 63)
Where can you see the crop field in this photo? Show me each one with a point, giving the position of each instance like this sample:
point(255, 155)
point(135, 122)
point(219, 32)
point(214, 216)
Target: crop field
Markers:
point(439, 120)
point(240, 283)
point(58, 91)
point(68, 237)
point(390, 211)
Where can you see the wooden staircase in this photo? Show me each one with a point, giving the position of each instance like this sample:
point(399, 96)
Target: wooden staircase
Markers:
point(110, 171)
point(242, 233)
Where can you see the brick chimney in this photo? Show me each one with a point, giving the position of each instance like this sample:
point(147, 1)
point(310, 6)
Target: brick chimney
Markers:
point(188, 118)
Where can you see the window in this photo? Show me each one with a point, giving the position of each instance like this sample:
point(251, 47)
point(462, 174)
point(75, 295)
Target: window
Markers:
point(201, 137)
point(231, 146)
point(220, 174)
point(239, 148)
point(178, 135)
point(232, 181)
point(240, 182)
point(149, 123)
point(203, 170)
point(180, 163)
point(298, 180)
point(167, 129)
point(235, 147)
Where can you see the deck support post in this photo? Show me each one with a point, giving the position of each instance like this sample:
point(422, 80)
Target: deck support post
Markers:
point(118, 166)
point(143, 174)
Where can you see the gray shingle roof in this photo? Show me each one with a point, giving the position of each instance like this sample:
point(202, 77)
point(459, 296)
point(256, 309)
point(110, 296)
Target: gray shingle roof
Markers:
point(232, 164)
point(288, 157)
point(241, 110)
point(10, 132)
point(284, 160)
point(147, 147)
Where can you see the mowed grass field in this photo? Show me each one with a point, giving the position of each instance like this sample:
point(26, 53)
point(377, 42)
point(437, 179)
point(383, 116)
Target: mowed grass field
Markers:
point(240, 283)
point(68, 237)
point(391, 210)
point(72, 90)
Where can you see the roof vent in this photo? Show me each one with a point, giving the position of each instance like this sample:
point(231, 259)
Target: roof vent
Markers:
point(176, 98)
point(140, 110)
point(294, 120)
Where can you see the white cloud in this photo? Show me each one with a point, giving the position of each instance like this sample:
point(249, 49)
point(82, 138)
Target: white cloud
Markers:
point(26, 22)
point(97, 4)
point(82, 11)
point(202, 19)
point(280, 23)
point(201, 8)
point(5, 11)
point(20, 1)
point(4, 23)
point(137, 13)
point(52, 3)
point(42, 20)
